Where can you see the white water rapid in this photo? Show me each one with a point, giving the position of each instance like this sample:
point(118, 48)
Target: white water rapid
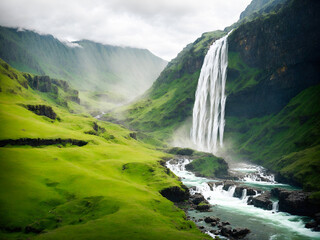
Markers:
point(210, 99)
point(264, 224)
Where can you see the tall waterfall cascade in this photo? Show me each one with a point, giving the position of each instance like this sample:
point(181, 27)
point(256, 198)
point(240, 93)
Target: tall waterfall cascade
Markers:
point(210, 99)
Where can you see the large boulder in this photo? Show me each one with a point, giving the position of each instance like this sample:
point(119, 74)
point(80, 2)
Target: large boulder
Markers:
point(296, 202)
point(239, 190)
point(203, 207)
point(228, 184)
point(262, 201)
point(197, 198)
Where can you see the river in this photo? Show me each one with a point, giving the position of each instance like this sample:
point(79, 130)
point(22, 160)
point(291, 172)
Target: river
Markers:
point(264, 224)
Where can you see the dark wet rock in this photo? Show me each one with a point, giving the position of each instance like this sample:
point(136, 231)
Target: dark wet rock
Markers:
point(225, 223)
point(249, 201)
point(42, 110)
point(312, 224)
point(211, 219)
point(194, 188)
point(214, 184)
point(213, 224)
point(226, 231)
point(197, 198)
point(317, 217)
point(236, 233)
point(263, 201)
point(176, 194)
point(41, 142)
point(228, 184)
point(203, 207)
point(296, 202)
point(240, 232)
point(239, 190)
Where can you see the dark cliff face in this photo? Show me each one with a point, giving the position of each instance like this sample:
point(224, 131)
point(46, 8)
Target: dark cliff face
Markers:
point(285, 47)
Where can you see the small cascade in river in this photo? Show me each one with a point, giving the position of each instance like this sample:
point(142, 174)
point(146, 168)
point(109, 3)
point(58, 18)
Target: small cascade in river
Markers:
point(210, 100)
point(264, 224)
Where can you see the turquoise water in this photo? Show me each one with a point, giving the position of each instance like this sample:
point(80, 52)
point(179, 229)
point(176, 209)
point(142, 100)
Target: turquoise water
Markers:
point(264, 224)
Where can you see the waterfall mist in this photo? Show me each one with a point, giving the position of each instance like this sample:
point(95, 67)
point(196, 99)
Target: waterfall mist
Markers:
point(210, 99)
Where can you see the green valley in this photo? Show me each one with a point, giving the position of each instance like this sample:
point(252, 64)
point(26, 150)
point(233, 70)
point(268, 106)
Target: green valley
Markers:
point(65, 191)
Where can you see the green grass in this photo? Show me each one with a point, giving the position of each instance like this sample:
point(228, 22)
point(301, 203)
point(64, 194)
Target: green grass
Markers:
point(108, 189)
point(208, 166)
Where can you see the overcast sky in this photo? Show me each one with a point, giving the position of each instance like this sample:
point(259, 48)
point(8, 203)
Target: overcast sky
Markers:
point(162, 26)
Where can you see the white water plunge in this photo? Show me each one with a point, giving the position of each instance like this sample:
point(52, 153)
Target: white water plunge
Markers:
point(210, 99)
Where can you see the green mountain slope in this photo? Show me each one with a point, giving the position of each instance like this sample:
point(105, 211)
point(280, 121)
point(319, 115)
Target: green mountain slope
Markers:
point(86, 65)
point(69, 176)
point(272, 76)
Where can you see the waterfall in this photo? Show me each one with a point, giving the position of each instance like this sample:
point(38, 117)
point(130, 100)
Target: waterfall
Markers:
point(244, 194)
point(210, 99)
point(275, 206)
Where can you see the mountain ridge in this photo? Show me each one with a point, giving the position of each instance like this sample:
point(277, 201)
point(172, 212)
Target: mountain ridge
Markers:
point(93, 66)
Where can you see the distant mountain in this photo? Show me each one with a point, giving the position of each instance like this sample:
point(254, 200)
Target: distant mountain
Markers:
point(86, 65)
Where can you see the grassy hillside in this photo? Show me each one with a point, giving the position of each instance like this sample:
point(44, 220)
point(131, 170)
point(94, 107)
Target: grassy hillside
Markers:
point(106, 189)
point(86, 65)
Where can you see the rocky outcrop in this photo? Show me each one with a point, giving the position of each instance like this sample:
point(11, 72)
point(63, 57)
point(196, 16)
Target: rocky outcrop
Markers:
point(250, 191)
point(197, 198)
point(133, 135)
point(262, 201)
point(282, 48)
point(228, 184)
point(49, 85)
point(35, 142)
point(296, 202)
point(42, 110)
point(176, 194)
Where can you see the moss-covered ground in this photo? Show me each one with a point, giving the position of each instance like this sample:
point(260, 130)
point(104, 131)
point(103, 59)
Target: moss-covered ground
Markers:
point(107, 189)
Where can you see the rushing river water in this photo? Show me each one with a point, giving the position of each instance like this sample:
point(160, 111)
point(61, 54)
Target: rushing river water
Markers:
point(264, 224)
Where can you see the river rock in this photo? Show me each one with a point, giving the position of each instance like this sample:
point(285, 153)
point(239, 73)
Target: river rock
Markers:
point(296, 202)
point(197, 198)
point(312, 224)
point(203, 207)
point(263, 201)
point(212, 185)
point(240, 232)
point(228, 184)
point(236, 233)
point(211, 219)
point(226, 231)
point(239, 189)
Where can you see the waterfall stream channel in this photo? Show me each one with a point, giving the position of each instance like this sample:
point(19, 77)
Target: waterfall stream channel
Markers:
point(263, 224)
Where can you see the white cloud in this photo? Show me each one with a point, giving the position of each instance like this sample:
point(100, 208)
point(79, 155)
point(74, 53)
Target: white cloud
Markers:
point(162, 26)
